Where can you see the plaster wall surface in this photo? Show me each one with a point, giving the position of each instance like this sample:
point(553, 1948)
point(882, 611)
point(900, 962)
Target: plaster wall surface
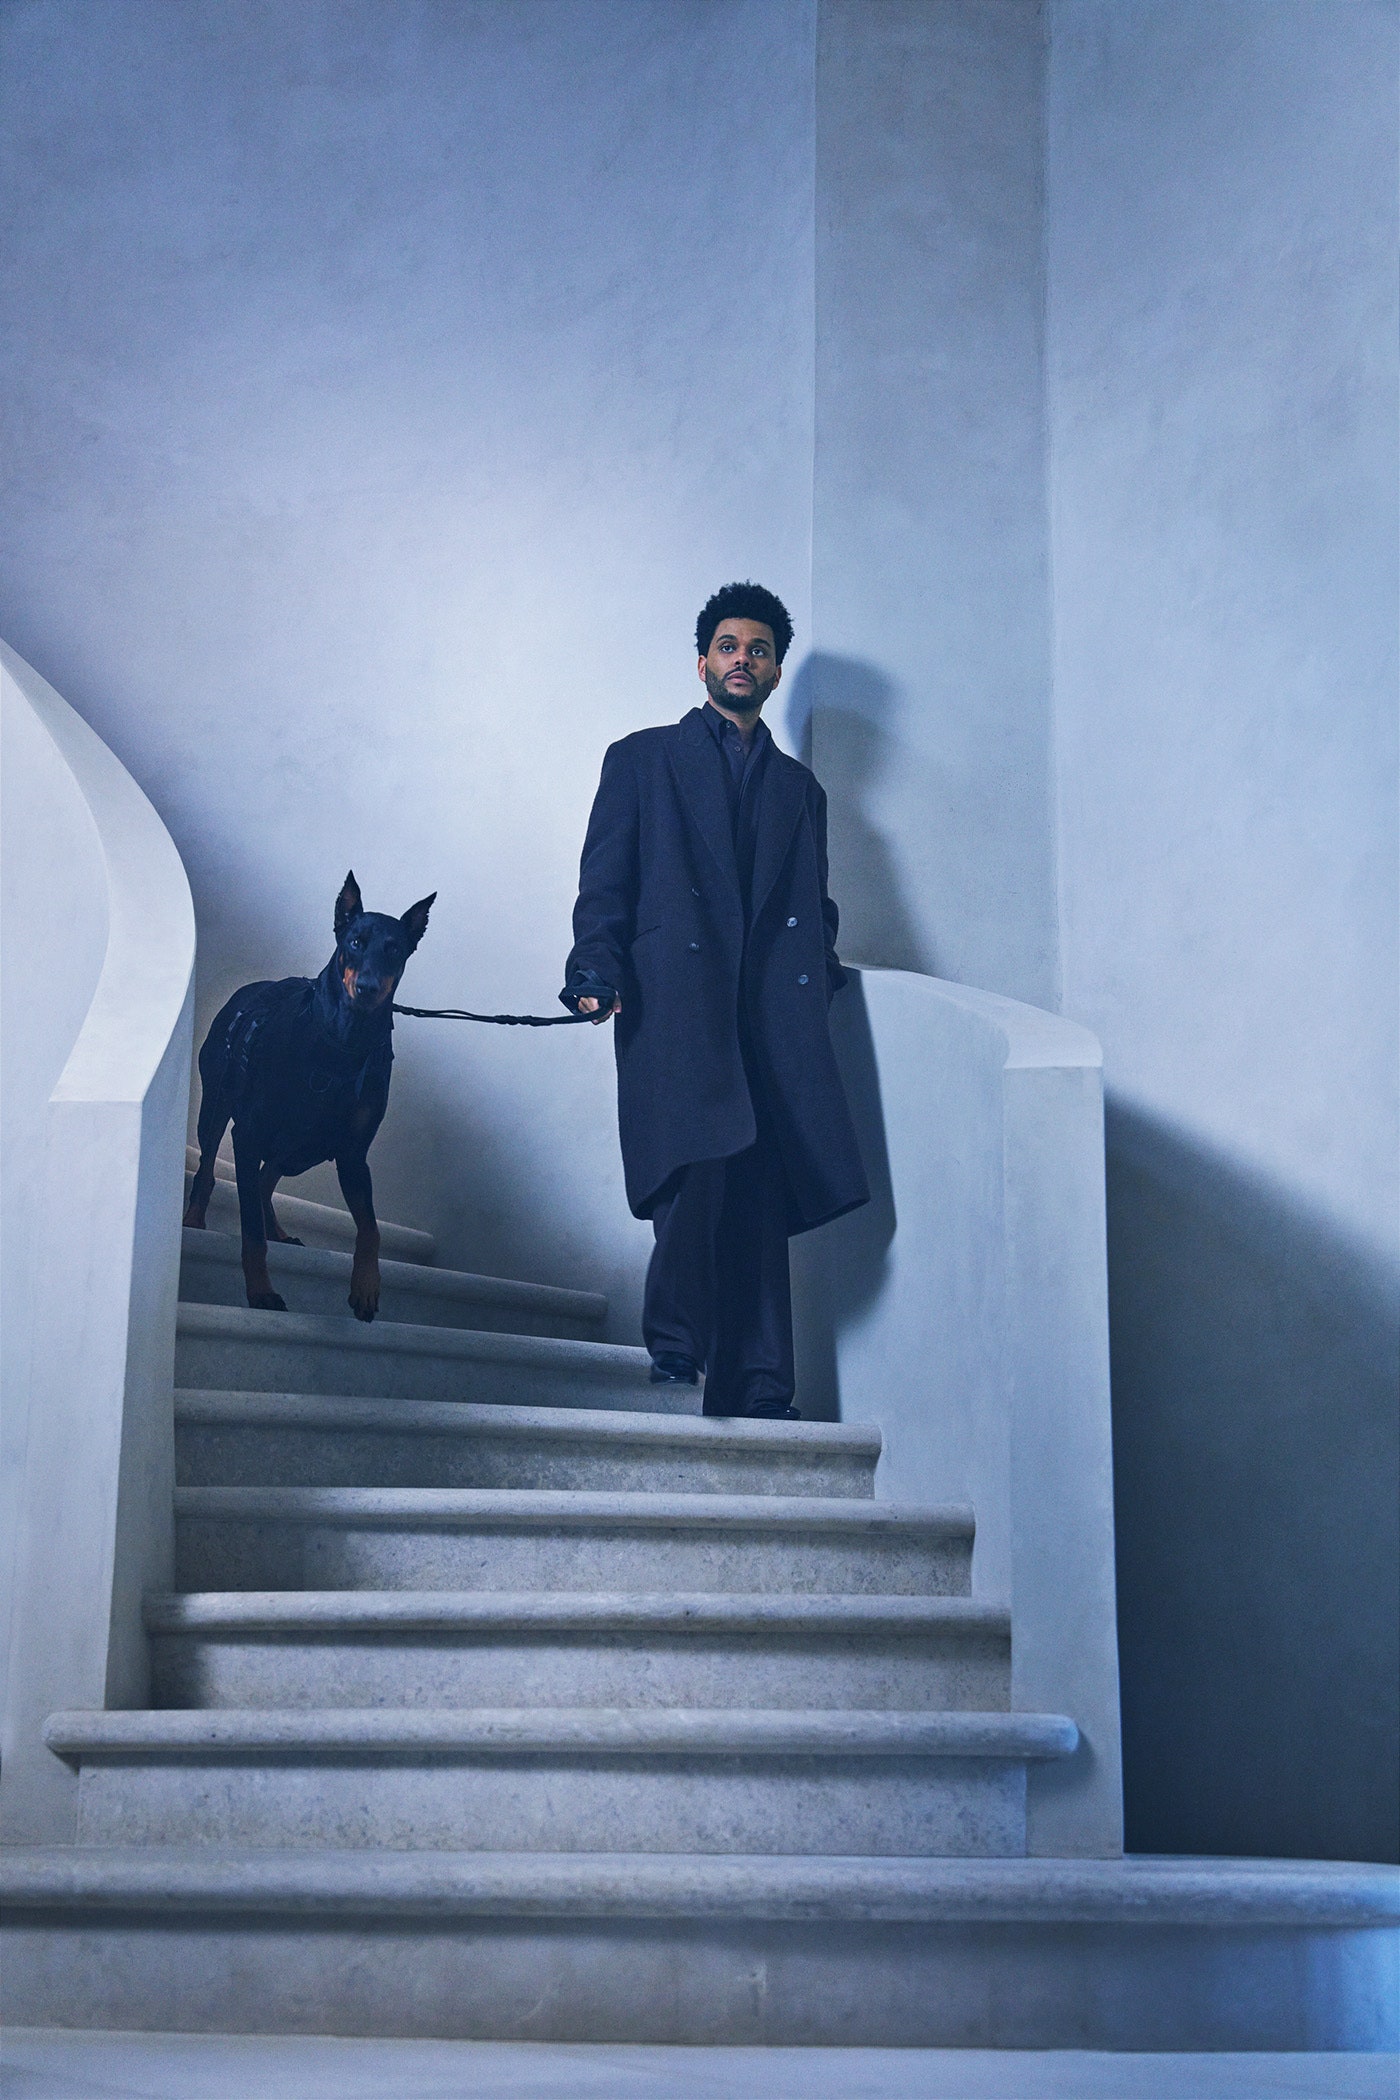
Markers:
point(1222, 400)
point(390, 386)
point(92, 1475)
point(929, 693)
point(53, 901)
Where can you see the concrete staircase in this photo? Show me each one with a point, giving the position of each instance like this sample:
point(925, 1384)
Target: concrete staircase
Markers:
point(463, 1581)
point(501, 1693)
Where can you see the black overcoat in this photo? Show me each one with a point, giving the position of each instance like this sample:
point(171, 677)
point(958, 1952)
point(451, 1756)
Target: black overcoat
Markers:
point(660, 916)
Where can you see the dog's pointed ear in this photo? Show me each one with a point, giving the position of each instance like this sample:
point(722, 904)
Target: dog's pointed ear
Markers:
point(348, 905)
point(415, 920)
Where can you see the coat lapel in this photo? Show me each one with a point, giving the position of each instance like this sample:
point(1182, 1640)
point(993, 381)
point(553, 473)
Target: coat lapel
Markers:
point(784, 796)
point(695, 763)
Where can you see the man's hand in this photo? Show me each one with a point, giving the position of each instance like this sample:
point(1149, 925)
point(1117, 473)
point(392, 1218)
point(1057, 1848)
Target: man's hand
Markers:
point(590, 1006)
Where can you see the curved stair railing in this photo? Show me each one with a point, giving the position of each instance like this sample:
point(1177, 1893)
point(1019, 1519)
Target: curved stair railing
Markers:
point(975, 1335)
point(92, 1268)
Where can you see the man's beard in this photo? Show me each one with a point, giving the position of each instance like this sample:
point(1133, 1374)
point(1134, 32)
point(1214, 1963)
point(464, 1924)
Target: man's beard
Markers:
point(742, 703)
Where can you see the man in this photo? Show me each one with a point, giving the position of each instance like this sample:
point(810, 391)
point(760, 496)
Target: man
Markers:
point(703, 924)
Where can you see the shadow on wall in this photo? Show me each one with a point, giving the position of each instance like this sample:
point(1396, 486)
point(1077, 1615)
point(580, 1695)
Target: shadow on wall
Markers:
point(1255, 1368)
point(838, 711)
point(838, 1270)
point(838, 720)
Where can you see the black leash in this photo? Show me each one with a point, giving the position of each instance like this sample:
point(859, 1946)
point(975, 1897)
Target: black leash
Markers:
point(458, 1013)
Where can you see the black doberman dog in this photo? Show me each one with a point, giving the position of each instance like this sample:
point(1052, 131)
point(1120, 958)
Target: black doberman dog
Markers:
point(302, 1067)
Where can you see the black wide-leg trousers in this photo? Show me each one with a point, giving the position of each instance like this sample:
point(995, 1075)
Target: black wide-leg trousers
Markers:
point(718, 1288)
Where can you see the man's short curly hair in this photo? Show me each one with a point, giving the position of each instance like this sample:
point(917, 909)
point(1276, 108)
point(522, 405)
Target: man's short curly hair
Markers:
point(744, 601)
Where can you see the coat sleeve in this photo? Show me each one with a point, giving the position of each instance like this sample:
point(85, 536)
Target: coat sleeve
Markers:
point(831, 917)
point(607, 885)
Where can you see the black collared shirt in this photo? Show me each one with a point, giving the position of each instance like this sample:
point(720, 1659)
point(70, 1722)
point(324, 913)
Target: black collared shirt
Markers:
point(740, 760)
point(741, 771)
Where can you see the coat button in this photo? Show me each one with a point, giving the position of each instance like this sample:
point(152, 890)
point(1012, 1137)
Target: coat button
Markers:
point(695, 947)
point(792, 922)
point(802, 980)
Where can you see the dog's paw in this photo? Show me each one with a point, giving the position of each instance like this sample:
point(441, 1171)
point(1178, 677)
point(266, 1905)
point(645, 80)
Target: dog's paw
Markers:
point(364, 1287)
point(267, 1301)
point(193, 1220)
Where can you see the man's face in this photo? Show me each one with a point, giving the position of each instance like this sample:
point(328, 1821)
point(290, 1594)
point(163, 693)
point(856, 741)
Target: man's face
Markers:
point(742, 667)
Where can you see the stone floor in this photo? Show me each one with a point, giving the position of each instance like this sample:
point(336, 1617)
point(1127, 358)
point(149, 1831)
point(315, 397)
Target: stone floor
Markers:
point(46, 2064)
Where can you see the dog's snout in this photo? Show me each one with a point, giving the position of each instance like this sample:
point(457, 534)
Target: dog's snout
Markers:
point(369, 987)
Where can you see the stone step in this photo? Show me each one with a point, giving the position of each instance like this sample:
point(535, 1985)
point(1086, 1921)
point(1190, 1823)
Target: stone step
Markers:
point(235, 1349)
point(308, 1538)
point(225, 1439)
point(533, 1649)
point(317, 1280)
point(317, 1224)
point(1121, 1954)
point(562, 1779)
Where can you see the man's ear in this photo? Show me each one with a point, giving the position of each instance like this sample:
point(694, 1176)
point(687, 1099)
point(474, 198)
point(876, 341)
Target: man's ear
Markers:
point(348, 905)
point(415, 920)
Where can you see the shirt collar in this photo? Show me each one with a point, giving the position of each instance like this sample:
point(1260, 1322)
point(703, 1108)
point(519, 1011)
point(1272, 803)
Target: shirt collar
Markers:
point(717, 723)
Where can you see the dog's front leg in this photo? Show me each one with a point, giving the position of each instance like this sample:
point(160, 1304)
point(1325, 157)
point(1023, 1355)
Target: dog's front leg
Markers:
point(213, 1122)
point(248, 1165)
point(358, 1191)
point(270, 1179)
point(201, 1189)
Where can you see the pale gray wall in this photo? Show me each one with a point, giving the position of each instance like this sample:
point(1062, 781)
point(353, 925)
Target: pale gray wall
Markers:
point(1222, 392)
point(929, 690)
point(389, 385)
point(1193, 852)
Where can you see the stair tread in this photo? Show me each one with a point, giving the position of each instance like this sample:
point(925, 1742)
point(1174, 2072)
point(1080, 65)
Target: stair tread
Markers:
point(223, 1249)
point(329, 1351)
point(410, 1241)
point(501, 1421)
point(449, 1885)
point(687, 1612)
point(573, 1509)
point(469, 1344)
point(599, 1731)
